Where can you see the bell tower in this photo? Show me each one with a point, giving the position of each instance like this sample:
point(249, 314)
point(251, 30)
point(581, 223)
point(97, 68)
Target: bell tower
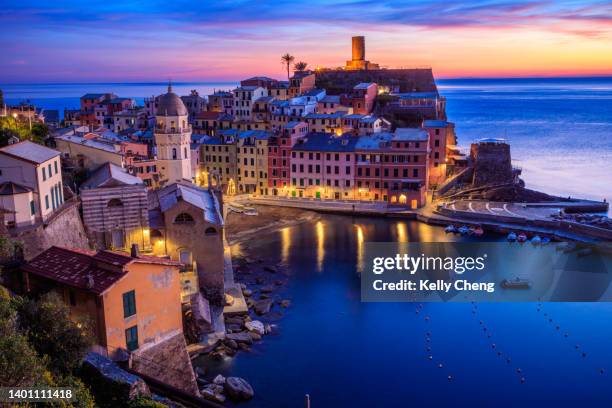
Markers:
point(172, 138)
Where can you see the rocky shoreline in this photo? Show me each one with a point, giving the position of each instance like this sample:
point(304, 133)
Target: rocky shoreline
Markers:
point(262, 283)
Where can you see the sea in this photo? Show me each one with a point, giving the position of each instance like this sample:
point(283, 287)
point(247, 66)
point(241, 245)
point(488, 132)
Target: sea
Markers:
point(560, 129)
point(342, 352)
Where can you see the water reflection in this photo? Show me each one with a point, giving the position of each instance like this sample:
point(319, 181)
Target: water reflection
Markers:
point(402, 235)
point(360, 241)
point(320, 245)
point(285, 244)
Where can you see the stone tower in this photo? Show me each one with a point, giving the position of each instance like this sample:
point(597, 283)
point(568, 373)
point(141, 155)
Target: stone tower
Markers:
point(358, 61)
point(172, 138)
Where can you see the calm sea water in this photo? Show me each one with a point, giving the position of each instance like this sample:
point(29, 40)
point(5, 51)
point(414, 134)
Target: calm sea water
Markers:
point(560, 129)
point(345, 353)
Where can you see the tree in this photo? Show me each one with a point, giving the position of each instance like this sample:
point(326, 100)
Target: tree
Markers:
point(287, 60)
point(300, 66)
point(53, 334)
point(39, 132)
point(1, 99)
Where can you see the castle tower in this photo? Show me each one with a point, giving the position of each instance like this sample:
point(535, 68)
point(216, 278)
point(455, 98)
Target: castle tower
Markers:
point(172, 138)
point(358, 48)
point(358, 61)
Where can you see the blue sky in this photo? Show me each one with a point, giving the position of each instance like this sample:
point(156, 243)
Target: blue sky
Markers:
point(226, 40)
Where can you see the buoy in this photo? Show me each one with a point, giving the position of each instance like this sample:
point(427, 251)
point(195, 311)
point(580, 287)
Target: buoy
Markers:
point(601, 371)
point(427, 339)
point(493, 345)
point(489, 335)
point(440, 365)
point(450, 378)
point(508, 360)
point(577, 346)
point(566, 335)
point(430, 357)
point(426, 318)
point(558, 327)
point(583, 354)
point(518, 370)
point(522, 380)
point(499, 353)
point(428, 348)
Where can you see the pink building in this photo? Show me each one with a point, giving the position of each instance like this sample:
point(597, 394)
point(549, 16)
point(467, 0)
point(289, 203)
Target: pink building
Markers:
point(322, 166)
point(441, 139)
point(363, 97)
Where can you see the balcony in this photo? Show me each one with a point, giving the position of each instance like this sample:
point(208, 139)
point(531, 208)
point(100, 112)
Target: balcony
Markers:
point(173, 130)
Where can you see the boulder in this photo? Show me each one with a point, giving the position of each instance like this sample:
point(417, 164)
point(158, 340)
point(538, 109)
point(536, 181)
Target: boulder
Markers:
point(259, 280)
point(255, 336)
point(210, 395)
point(231, 343)
point(238, 389)
point(263, 306)
point(247, 292)
point(256, 327)
point(269, 268)
point(219, 380)
point(267, 289)
point(242, 337)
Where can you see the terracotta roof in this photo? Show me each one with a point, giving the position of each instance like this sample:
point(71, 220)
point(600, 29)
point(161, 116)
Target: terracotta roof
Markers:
point(85, 269)
point(10, 188)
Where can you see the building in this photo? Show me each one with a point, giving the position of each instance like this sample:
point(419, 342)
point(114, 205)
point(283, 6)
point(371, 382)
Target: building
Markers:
point(89, 153)
point(187, 226)
point(172, 138)
point(363, 97)
point(35, 172)
point(221, 101)
point(358, 62)
point(194, 104)
point(279, 156)
point(117, 293)
point(332, 104)
point(115, 209)
point(244, 98)
point(301, 82)
point(210, 121)
point(442, 138)
point(322, 167)
point(252, 157)
point(325, 122)
point(218, 155)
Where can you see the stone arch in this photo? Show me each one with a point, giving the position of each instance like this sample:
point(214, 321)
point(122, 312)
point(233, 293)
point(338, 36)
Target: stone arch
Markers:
point(184, 218)
point(210, 231)
point(114, 202)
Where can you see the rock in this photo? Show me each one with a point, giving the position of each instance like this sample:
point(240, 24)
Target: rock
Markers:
point(263, 306)
point(279, 282)
point(200, 371)
point(255, 336)
point(271, 269)
point(234, 327)
point(219, 380)
point(259, 280)
point(267, 289)
point(233, 320)
point(108, 375)
point(256, 327)
point(285, 303)
point(267, 328)
point(231, 343)
point(238, 389)
point(264, 296)
point(210, 395)
point(244, 347)
point(247, 292)
point(242, 337)
point(243, 286)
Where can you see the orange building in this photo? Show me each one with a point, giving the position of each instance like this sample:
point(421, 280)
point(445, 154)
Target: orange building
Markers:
point(131, 301)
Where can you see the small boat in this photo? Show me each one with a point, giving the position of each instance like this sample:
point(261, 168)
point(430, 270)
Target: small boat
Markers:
point(545, 240)
point(451, 229)
point(478, 231)
point(511, 237)
point(463, 230)
point(516, 283)
point(522, 237)
point(537, 240)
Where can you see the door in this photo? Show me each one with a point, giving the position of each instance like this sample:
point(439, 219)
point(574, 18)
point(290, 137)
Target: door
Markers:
point(117, 239)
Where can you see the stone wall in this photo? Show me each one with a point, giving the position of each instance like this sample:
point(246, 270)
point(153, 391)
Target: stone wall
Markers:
point(64, 228)
point(492, 163)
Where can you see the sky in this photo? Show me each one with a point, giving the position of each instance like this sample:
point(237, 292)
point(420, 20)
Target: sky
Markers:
point(204, 40)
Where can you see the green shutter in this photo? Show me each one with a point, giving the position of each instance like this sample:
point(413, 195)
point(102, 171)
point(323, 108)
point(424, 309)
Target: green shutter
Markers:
point(129, 303)
point(131, 338)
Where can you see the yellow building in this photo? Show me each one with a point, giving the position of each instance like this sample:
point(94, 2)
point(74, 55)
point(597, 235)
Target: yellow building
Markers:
point(218, 154)
point(252, 156)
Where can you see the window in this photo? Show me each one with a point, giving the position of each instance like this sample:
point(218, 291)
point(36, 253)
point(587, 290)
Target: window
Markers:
point(174, 153)
point(44, 174)
point(129, 303)
point(49, 167)
point(46, 202)
point(210, 231)
point(55, 164)
point(32, 207)
point(115, 202)
point(183, 218)
point(131, 338)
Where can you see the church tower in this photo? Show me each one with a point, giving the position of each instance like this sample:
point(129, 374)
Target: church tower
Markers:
point(172, 138)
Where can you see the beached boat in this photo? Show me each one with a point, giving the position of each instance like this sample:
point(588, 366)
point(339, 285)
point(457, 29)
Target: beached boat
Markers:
point(522, 237)
point(451, 229)
point(537, 240)
point(464, 230)
point(478, 231)
point(511, 237)
point(516, 283)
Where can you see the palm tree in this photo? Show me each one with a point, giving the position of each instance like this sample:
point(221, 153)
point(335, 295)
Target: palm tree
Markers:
point(300, 66)
point(287, 59)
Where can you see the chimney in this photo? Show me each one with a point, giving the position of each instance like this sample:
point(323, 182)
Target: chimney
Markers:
point(134, 251)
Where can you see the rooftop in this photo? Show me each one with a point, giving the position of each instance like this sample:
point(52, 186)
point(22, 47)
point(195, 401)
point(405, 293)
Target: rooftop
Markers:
point(435, 123)
point(30, 151)
point(169, 196)
point(410, 135)
point(364, 85)
point(110, 175)
point(88, 270)
point(326, 142)
point(10, 188)
point(93, 143)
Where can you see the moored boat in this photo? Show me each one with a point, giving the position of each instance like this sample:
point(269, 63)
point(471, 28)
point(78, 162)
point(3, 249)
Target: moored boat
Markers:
point(511, 236)
point(522, 237)
point(537, 240)
point(450, 229)
point(478, 231)
point(464, 230)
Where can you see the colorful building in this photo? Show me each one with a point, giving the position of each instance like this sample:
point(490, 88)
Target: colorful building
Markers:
point(279, 156)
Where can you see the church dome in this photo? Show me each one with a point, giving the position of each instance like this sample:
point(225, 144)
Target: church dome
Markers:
point(170, 104)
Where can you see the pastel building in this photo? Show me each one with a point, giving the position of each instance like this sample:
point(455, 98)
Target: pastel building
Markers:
point(279, 156)
point(252, 158)
point(301, 82)
point(322, 166)
point(244, 99)
point(218, 155)
point(363, 97)
point(442, 139)
point(35, 191)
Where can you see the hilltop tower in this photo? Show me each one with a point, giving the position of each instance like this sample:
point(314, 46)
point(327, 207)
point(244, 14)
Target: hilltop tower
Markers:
point(172, 138)
point(358, 61)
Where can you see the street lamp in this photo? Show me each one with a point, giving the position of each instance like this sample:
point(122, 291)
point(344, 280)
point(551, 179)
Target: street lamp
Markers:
point(15, 119)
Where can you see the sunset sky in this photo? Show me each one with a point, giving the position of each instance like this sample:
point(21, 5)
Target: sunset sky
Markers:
point(201, 40)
